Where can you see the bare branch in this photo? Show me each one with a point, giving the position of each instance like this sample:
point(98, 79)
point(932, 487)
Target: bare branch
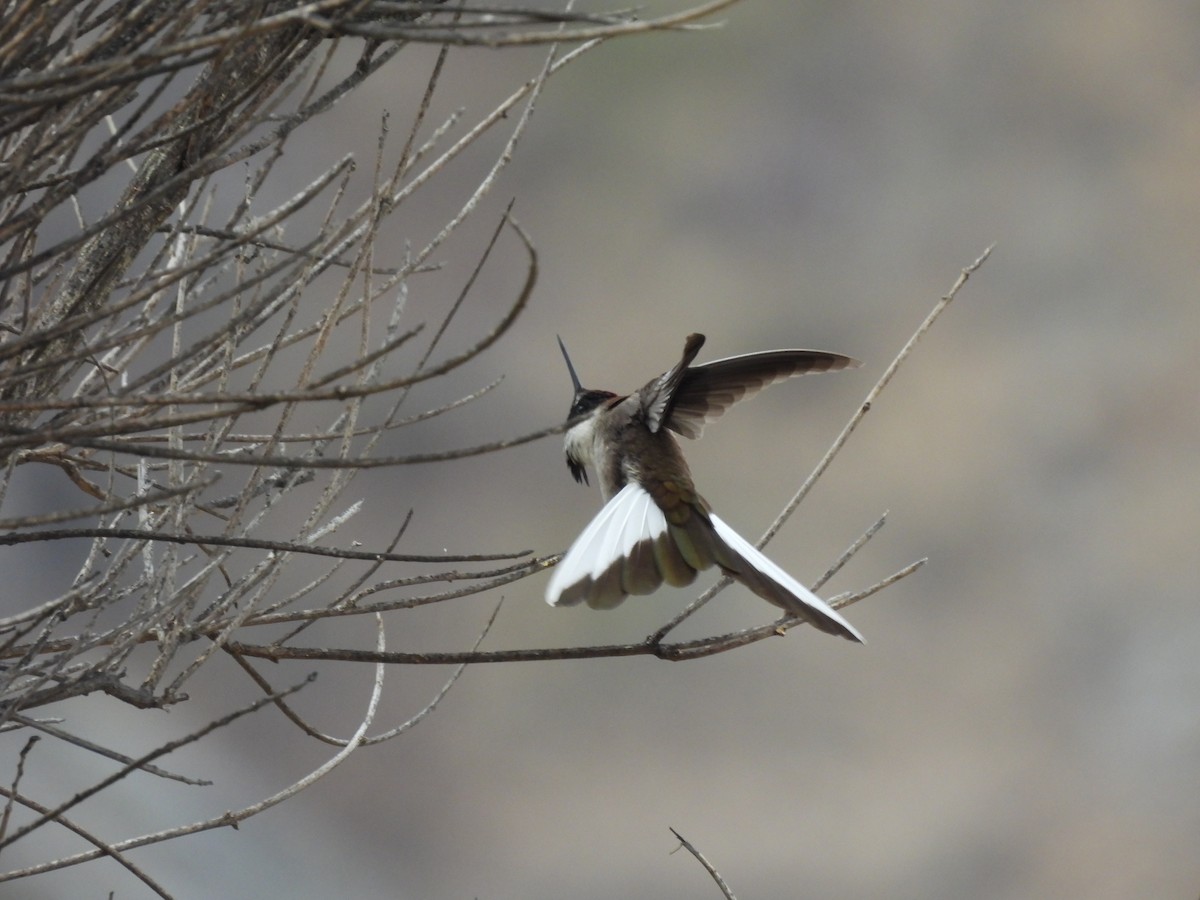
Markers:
point(251, 543)
point(841, 439)
point(213, 371)
point(708, 867)
point(140, 763)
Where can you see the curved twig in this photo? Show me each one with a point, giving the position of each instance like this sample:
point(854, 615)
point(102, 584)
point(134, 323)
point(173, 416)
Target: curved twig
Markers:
point(708, 867)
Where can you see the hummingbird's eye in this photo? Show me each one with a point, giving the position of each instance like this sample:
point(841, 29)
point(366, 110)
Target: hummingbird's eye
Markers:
point(586, 401)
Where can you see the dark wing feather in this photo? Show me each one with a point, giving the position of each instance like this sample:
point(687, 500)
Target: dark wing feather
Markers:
point(658, 396)
point(704, 392)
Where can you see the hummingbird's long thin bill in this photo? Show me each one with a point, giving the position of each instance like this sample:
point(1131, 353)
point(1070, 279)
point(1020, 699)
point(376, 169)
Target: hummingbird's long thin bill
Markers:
point(570, 368)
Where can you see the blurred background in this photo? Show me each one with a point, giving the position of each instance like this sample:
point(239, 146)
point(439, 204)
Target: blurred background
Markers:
point(1023, 719)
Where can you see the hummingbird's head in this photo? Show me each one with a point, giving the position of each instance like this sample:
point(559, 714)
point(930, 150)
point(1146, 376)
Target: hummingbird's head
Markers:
point(581, 423)
point(584, 400)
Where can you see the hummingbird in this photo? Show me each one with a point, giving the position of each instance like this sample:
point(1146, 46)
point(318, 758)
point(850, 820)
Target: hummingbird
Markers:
point(654, 527)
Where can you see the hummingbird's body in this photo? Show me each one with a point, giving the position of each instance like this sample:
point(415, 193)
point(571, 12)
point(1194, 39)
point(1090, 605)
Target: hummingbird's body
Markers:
point(654, 526)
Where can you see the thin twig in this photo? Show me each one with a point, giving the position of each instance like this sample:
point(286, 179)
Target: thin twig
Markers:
point(139, 763)
point(93, 747)
point(215, 540)
point(872, 396)
point(708, 867)
point(674, 652)
point(838, 442)
point(103, 848)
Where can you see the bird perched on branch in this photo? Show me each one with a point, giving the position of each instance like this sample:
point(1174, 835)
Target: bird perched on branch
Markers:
point(654, 526)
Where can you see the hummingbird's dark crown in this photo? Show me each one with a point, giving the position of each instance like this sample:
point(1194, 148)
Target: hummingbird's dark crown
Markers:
point(585, 401)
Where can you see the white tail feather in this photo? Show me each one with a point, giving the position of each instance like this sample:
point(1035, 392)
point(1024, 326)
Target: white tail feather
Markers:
point(615, 557)
point(629, 517)
point(754, 557)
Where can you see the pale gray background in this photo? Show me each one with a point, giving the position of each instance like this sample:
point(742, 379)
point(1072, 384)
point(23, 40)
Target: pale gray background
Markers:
point(1023, 720)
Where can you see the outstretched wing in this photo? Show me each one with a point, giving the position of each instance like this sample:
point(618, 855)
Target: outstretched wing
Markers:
point(704, 392)
point(657, 397)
